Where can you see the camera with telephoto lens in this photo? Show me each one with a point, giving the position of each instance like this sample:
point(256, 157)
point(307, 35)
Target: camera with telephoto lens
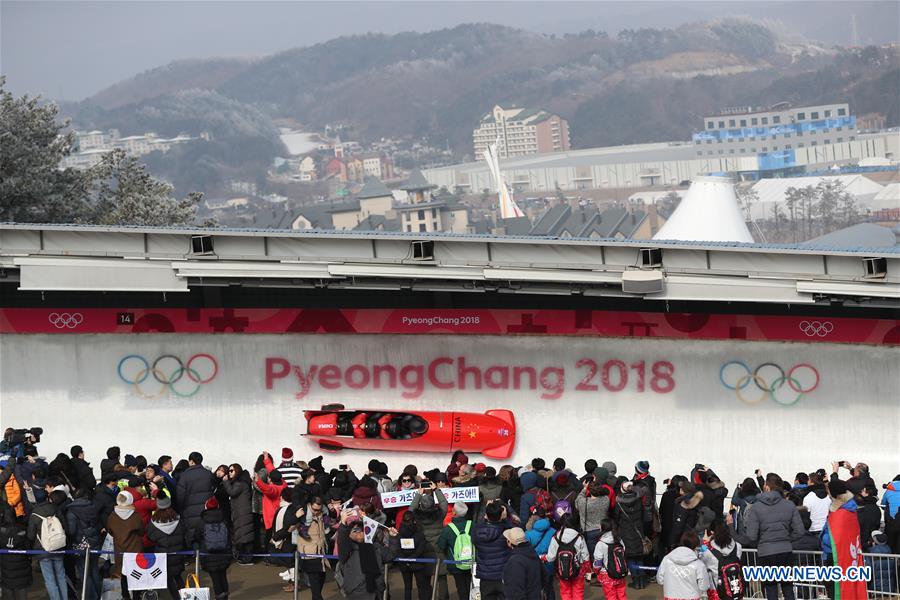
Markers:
point(14, 437)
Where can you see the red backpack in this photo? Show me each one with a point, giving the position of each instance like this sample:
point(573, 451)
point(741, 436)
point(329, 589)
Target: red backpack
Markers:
point(543, 500)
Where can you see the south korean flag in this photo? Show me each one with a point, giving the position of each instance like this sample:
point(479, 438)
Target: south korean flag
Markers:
point(144, 571)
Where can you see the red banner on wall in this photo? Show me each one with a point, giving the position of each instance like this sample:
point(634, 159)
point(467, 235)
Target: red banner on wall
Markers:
point(452, 321)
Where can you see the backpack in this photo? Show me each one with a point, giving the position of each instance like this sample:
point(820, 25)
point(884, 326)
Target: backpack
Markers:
point(561, 508)
point(730, 574)
point(543, 500)
point(616, 565)
point(567, 566)
point(52, 536)
point(462, 547)
point(216, 536)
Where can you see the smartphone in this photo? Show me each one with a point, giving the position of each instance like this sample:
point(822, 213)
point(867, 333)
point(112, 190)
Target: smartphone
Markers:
point(343, 467)
point(426, 483)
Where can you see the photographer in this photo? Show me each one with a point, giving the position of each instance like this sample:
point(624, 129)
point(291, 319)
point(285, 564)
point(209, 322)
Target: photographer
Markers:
point(429, 507)
point(859, 475)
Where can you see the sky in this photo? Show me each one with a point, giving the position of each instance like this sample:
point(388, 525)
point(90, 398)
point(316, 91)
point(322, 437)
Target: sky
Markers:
point(71, 49)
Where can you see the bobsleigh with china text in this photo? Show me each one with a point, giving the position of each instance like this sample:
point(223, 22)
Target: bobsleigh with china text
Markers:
point(492, 433)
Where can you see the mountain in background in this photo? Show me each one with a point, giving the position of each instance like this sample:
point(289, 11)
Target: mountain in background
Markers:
point(643, 85)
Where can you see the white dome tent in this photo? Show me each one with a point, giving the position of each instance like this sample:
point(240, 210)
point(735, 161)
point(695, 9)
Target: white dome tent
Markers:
point(709, 212)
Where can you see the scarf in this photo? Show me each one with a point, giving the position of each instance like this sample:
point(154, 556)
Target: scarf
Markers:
point(368, 563)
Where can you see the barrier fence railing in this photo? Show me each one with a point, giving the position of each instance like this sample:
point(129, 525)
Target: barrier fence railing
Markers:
point(883, 585)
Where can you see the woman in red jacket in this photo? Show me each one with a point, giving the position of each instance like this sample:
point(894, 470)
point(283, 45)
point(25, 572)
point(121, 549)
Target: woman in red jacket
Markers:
point(271, 491)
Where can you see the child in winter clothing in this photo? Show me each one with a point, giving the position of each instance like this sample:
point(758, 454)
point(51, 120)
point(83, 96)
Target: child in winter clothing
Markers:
point(613, 589)
point(681, 573)
point(883, 581)
point(568, 534)
point(721, 542)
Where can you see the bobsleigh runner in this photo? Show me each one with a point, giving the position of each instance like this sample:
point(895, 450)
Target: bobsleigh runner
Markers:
point(334, 428)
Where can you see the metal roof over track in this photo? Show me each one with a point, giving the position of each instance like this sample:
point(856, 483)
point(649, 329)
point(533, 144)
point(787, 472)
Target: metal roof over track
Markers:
point(142, 259)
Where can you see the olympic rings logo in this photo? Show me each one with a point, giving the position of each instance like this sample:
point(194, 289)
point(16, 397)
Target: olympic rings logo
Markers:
point(181, 378)
point(770, 381)
point(65, 320)
point(816, 328)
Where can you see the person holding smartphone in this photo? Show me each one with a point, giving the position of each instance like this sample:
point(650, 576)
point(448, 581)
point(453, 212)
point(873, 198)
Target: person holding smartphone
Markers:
point(429, 507)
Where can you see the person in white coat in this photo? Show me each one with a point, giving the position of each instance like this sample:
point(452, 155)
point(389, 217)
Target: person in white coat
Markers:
point(681, 573)
point(572, 589)
point(722, 543)
point(613, 589)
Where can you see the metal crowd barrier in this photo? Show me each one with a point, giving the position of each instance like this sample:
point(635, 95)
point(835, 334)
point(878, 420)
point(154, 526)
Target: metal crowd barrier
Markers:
point(885, 583)
point(196, 554)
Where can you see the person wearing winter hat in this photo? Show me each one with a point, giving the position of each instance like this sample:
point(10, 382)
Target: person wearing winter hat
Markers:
point(127, 529)
point(840, 537)
point(523, 575)
point(131, 463)
point(215, 546)
point(166, 532)
point(289, 470)
point(883, 578)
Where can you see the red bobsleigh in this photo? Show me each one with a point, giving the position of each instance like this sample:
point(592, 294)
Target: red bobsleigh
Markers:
point(492, 434)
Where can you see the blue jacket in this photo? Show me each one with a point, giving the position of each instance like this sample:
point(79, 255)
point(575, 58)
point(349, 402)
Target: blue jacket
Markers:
point(540, 535)
point(528, 480)
point(825, 536)
point(891, 498)
point(882, 570)
point(491, 551)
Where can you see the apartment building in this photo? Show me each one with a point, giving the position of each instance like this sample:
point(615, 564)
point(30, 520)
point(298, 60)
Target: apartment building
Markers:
point(775, 133)
point(521, 131)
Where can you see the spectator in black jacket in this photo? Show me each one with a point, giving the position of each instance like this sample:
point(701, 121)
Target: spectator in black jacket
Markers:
point(523, 574)
point(869, 515)
point(84, 474)
point(111, 462)
point(413, 545)
point(685, 513)
point(306, 487)
point(15, 569)
point(492, 551)
point(166, 531)
point(83, 525)
point(105, 497)
point(859, 476)
point(195, 486)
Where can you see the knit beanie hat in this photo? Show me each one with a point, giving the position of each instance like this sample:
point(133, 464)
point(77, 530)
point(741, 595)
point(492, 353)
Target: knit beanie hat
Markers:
point(211, 503)
point(124, 498)
point(287, 454)
point(163, 502)
point(610, 467)
point(460, 509)
point(641, 466)
point(601, 474)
